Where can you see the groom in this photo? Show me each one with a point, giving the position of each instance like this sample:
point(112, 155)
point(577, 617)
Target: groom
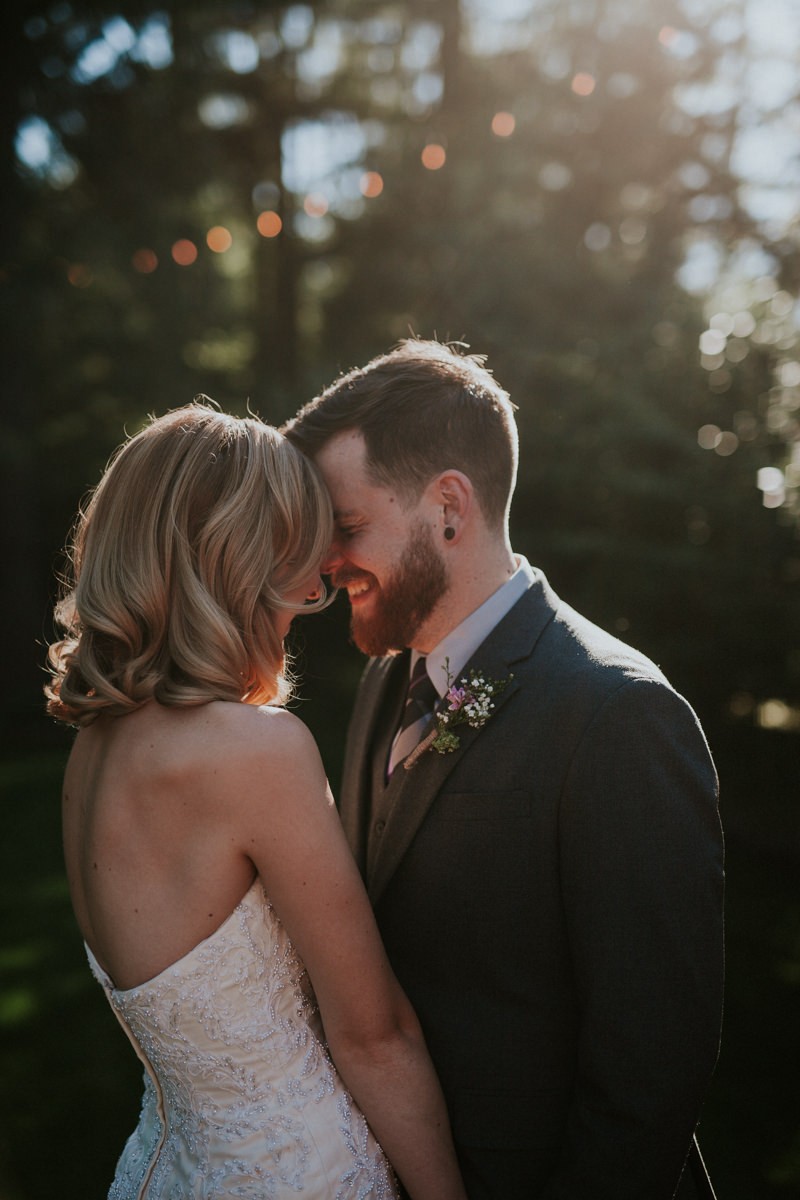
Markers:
point(549, 891)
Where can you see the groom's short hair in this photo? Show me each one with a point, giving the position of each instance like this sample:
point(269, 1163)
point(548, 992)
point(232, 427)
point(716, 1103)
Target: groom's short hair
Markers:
point(423, 408)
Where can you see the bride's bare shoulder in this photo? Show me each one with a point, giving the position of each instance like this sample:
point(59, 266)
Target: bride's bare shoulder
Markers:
point(264, 722)
point(266, 754)
point(257, 733)
point(218, 739)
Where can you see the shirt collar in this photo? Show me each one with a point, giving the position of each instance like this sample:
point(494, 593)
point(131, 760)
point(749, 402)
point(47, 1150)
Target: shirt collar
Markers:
point(458, 646)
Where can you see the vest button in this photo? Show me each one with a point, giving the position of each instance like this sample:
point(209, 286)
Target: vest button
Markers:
point(380, 826)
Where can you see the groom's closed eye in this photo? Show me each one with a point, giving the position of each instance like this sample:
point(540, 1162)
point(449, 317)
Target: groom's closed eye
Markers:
point(345, 532)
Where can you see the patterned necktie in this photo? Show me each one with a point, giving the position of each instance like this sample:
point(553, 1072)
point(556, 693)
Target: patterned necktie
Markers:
point(421, 698)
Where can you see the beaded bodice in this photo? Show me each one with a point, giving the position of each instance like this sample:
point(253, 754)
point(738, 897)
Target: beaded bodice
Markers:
point(241, 1098)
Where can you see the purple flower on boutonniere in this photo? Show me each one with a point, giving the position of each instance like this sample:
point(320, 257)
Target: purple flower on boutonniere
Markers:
point(469, 702)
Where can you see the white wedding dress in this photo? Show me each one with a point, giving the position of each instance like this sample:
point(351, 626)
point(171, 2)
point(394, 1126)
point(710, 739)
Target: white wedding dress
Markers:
point(241, 1099)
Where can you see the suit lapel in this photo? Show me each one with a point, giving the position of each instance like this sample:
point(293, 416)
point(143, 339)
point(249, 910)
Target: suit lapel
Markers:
point(411, 793)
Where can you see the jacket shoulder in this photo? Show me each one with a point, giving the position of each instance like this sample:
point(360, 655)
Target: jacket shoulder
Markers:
point(582, 645)
point(557, 639)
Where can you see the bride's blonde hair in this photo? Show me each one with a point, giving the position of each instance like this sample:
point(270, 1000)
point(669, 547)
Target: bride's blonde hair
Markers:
point(200, 527)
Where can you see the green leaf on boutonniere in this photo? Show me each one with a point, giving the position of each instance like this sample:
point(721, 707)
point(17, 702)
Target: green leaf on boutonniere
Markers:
point(445, 742)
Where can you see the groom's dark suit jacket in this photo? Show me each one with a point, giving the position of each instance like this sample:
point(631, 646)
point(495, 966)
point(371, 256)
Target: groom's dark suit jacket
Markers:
point(550, 897)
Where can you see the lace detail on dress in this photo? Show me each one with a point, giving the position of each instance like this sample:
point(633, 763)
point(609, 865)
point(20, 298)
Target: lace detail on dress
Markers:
point(241, 1098)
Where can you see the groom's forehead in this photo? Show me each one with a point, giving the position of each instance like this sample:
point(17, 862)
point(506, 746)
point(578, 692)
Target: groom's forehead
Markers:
point(342, 457)
point(343, 464)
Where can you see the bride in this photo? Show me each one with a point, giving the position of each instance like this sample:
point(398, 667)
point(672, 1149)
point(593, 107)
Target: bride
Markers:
point(220, 906)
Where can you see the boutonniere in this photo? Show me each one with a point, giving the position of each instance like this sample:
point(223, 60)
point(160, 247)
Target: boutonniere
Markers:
point(469, 702)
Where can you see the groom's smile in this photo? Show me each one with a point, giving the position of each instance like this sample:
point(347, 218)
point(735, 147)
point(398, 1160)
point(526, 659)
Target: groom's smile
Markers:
point(356, 588)
point(383, 552)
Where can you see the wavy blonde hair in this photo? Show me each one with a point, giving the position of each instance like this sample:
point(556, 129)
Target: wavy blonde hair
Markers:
point(200, 527)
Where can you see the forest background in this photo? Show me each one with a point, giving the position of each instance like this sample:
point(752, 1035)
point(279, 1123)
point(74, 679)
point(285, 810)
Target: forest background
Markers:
point(245, 198)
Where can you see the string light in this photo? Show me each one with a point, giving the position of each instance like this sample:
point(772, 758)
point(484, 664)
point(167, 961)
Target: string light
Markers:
point(583, 84)
point(371, 184)
point(144, 261)
point(503, 124)
point(433, 156)
point(219, 239)
point(269, 224)
point(184, 252)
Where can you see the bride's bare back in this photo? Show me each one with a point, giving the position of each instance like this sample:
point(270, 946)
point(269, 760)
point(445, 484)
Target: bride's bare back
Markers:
point(153, 825)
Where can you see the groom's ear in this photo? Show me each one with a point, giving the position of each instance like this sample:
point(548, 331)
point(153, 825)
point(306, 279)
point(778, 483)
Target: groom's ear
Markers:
point(453, 494)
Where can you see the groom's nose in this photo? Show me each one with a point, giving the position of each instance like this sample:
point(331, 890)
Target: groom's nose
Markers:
point(333, 559)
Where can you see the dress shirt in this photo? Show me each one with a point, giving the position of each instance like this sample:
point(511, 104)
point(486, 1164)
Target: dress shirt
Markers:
point(459, 645)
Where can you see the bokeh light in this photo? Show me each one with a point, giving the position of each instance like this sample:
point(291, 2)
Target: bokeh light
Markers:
point(583, 84)
point(769, 479)
point(728, 444)
point(184, 252)
point(315, 204)
point(777, 714)
point(144, 261)
point(723, 322)
point(744, 324)
point(632, 231)
point(737, 350)
point(771, 482)
point(371, 184)
point(597, 237)
point(269, 224)
point(555, 176)
point(708, 436)
point(219, 239)
point(789, 374)
point(266, 194)
point(720, 380)
point(79, 275)
point(712, 342)
point(503, 124)
point(434, 156)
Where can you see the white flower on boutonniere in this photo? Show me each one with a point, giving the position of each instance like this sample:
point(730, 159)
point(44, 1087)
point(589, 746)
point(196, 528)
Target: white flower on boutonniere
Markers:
point(470, 702)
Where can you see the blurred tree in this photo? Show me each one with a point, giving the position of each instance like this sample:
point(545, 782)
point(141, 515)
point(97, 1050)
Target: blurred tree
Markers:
point(555, 237)
point(536, 180)
point(24, 282)
point(144, 163)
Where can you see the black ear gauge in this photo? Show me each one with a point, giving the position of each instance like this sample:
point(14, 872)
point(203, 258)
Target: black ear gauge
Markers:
point(449, 533)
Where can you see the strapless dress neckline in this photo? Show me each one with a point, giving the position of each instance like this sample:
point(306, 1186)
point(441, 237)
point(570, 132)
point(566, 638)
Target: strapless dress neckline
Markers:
point(105, 979)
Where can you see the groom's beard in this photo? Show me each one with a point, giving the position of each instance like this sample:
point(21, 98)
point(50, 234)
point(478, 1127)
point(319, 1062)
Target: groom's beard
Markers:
point(400, 607)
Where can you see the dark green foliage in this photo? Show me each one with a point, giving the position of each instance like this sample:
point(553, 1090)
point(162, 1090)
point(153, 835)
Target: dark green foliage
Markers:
point(556, 250)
